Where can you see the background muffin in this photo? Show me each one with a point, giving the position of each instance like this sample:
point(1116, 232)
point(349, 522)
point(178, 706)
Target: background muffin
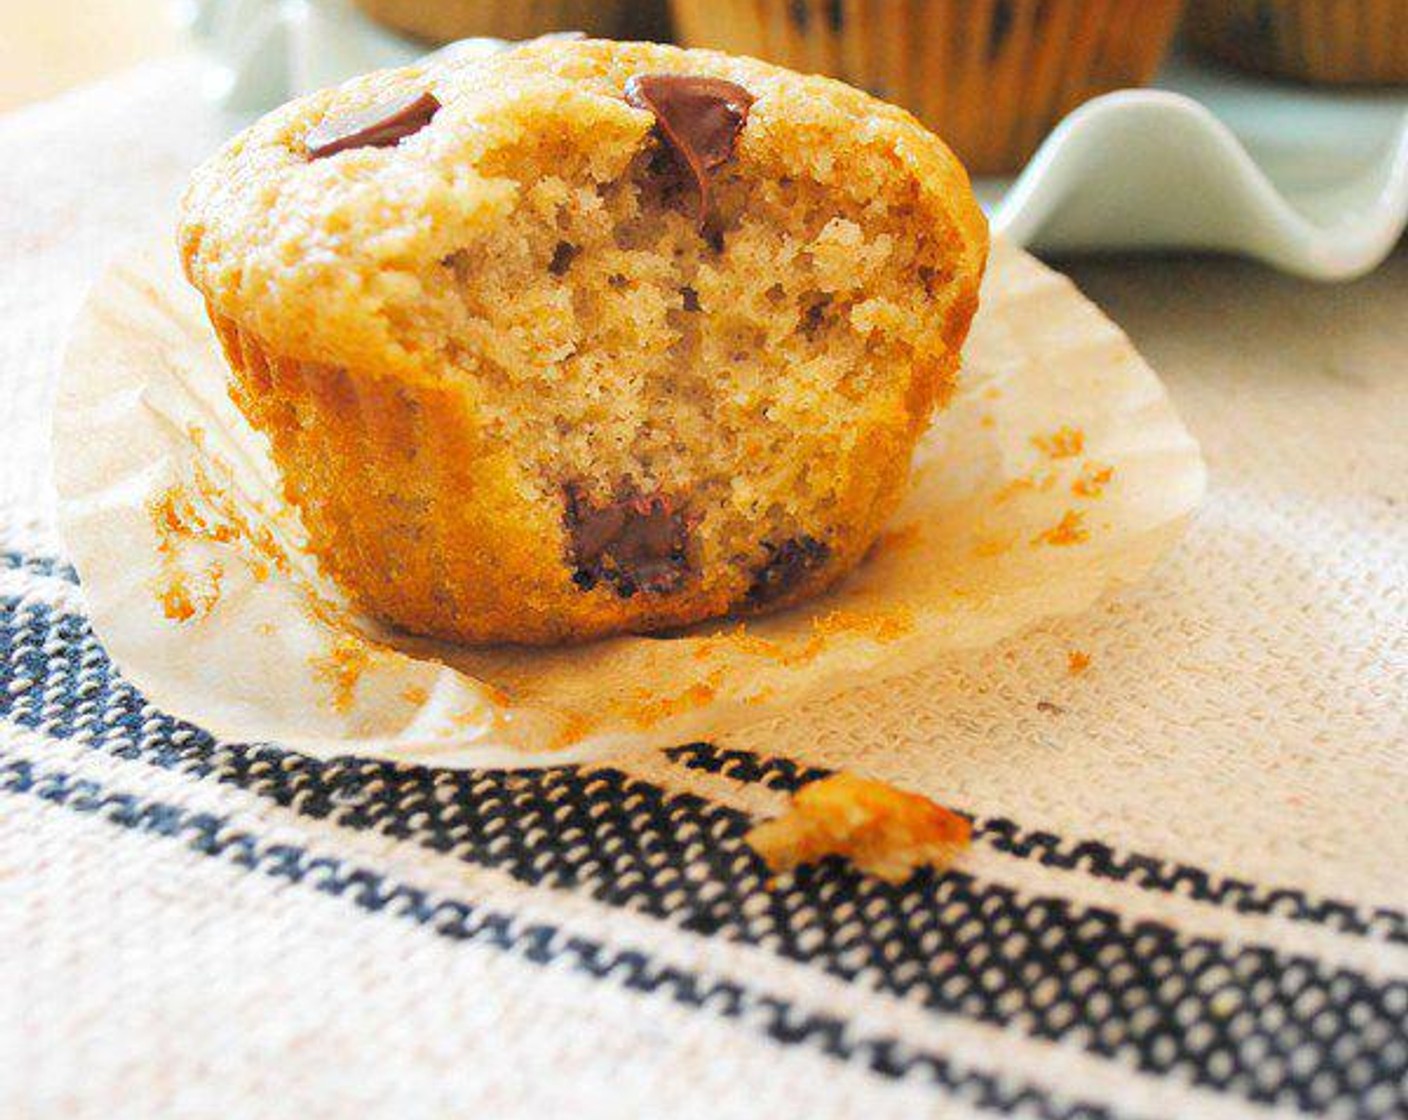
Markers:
point(990, 76)
point(440, 21)
point(543, 356)
point(1364, 41)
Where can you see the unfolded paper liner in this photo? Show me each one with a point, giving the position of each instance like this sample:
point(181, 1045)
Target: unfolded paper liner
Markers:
point(1059, 471)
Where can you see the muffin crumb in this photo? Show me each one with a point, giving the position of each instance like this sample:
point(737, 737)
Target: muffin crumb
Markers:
point(884, 831)
point(1068, 531)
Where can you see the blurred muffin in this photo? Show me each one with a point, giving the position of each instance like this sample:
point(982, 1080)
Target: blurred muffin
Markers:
point(588, 337)
point(1342, 41)
point(991, 76)
point(440, 21)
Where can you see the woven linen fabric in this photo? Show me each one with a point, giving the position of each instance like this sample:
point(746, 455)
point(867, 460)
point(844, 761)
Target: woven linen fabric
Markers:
point(1187, 892)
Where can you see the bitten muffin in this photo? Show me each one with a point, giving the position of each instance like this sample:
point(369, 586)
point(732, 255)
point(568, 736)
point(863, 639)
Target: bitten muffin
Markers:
point(440, 21)
point(993, 77)
point(589, 337)
point(1331, 41)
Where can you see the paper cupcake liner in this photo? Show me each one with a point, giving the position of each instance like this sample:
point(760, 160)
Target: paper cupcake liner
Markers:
point(991, 77)
point(1332, 41)
point(335, 435)
point(441, 21)
point(1058, 471)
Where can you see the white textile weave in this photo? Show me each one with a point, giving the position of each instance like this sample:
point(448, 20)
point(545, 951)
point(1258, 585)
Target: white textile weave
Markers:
point(1187, 895)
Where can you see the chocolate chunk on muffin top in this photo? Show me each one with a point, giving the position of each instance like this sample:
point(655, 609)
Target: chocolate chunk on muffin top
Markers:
point(588, 337)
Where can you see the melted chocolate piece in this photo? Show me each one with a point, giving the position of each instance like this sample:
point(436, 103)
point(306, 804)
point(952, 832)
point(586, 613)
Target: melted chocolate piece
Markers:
point(787, 564)
point(633, 542)
point(379, 126)
point(700, 119)
point(563, 254)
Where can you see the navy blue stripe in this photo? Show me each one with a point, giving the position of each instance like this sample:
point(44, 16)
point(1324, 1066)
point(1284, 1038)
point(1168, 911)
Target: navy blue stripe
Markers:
point(459, 920)
point(50, 566)
point(1040, 965)
point(1092, 857)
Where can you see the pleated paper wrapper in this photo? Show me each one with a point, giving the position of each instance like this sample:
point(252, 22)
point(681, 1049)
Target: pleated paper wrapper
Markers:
point(1059, 471)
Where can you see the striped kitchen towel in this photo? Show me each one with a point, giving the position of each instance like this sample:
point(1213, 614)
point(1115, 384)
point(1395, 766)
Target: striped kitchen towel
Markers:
point(1187, 892)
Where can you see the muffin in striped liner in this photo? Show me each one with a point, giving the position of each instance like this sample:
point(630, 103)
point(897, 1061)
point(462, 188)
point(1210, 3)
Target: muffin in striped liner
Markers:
point(440, 21)
point(991, 76)
point(1332, 41)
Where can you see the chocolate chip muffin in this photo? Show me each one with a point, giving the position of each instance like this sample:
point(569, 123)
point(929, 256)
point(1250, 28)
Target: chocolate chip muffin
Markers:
point(590, 337)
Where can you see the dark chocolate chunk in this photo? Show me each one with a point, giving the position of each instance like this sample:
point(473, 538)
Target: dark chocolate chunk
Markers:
point(786, 566)
point(379, 126)
point(700, 119)
point(634, 542)
point(563, 254)
point(690, 298)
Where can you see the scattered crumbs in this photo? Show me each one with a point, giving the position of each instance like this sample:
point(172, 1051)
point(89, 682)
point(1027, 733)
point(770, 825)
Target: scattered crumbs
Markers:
point(879, 626)
point(737, 640)
point(415, 695)
point(1027, 484)
point(1093, 479)
point(1077, 662)
point(884, 831)
point(175, 598)
point(899, 539)
point(1069, 530)
point(994, 544)
point(647, 710)
point(882, 626)
point(1064, 443)
point(1049, 708)
point(342, 668)
point(233, 526)
point(177, 517)
point(184, 596)
point(986, 421)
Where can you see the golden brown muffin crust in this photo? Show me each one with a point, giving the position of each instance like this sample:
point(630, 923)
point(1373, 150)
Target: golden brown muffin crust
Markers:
point(467, 345)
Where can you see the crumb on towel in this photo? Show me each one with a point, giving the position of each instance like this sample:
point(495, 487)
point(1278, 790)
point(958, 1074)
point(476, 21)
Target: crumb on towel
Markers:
point(884, 831)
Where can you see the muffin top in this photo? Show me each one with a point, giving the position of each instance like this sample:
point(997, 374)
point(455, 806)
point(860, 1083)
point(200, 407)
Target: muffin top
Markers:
point(313, 228)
